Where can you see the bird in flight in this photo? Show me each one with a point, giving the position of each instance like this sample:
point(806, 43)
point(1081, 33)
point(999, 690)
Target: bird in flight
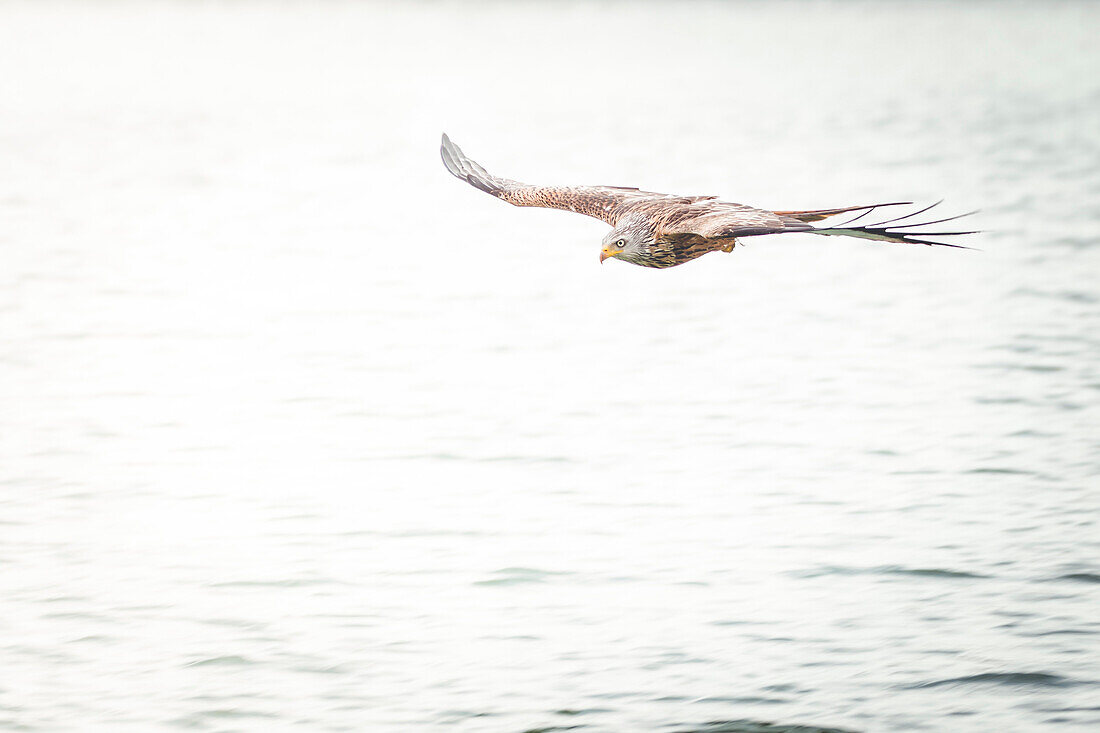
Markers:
point(663, 230)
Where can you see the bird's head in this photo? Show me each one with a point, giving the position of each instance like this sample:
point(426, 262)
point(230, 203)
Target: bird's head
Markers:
point(630, 240)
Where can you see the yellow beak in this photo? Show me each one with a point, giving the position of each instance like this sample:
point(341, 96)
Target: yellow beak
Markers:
point(604, 255)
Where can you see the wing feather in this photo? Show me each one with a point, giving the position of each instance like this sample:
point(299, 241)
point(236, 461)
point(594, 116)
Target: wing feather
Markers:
point(725, 220)
point(819, 214)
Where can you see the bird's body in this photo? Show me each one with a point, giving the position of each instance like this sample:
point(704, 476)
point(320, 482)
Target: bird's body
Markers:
point(662, 230)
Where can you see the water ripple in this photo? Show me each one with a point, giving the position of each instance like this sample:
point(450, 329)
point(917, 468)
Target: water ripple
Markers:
point(230, 660)
point(887, 570)
point(1035, 679)
point(1080, 577)
point(755, 726)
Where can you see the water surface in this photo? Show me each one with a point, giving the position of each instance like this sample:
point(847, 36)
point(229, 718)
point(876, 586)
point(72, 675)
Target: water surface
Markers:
point(297, 431)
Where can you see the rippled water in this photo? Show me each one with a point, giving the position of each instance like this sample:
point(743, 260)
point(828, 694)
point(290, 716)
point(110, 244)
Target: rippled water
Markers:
point(297, 431)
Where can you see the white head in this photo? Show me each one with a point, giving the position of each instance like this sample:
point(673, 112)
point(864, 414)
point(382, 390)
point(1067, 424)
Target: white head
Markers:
point(631, 240)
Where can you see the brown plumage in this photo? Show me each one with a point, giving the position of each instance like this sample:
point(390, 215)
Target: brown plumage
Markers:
point(662, 230)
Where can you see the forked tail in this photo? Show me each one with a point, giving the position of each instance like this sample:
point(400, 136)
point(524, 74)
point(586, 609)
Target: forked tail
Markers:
point(883, 231)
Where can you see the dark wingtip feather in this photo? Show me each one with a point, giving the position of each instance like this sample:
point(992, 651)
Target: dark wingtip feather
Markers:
point(926, 223)
point(930, 243)
point(918, 212)
point(890, 231)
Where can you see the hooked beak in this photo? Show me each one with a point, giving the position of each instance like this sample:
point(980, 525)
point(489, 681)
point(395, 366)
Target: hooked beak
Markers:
point(604, 254)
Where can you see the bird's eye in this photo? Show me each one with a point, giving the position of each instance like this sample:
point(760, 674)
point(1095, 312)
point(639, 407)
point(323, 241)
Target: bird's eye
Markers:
point(620, 243)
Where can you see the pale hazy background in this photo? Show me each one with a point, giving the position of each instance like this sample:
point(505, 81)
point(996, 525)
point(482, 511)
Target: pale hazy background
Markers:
point(299, 432)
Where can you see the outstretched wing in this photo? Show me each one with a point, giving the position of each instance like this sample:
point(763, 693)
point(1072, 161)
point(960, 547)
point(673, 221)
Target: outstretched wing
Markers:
point(722, 220)
point(608, 203)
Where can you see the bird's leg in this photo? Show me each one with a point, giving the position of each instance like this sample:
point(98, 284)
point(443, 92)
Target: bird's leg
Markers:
point(729, 247)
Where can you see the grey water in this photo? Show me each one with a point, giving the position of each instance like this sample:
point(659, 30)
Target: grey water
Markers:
point(299, 432)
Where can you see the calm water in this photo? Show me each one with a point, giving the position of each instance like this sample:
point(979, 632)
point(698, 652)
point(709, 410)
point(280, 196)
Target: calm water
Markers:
point(297, 431)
